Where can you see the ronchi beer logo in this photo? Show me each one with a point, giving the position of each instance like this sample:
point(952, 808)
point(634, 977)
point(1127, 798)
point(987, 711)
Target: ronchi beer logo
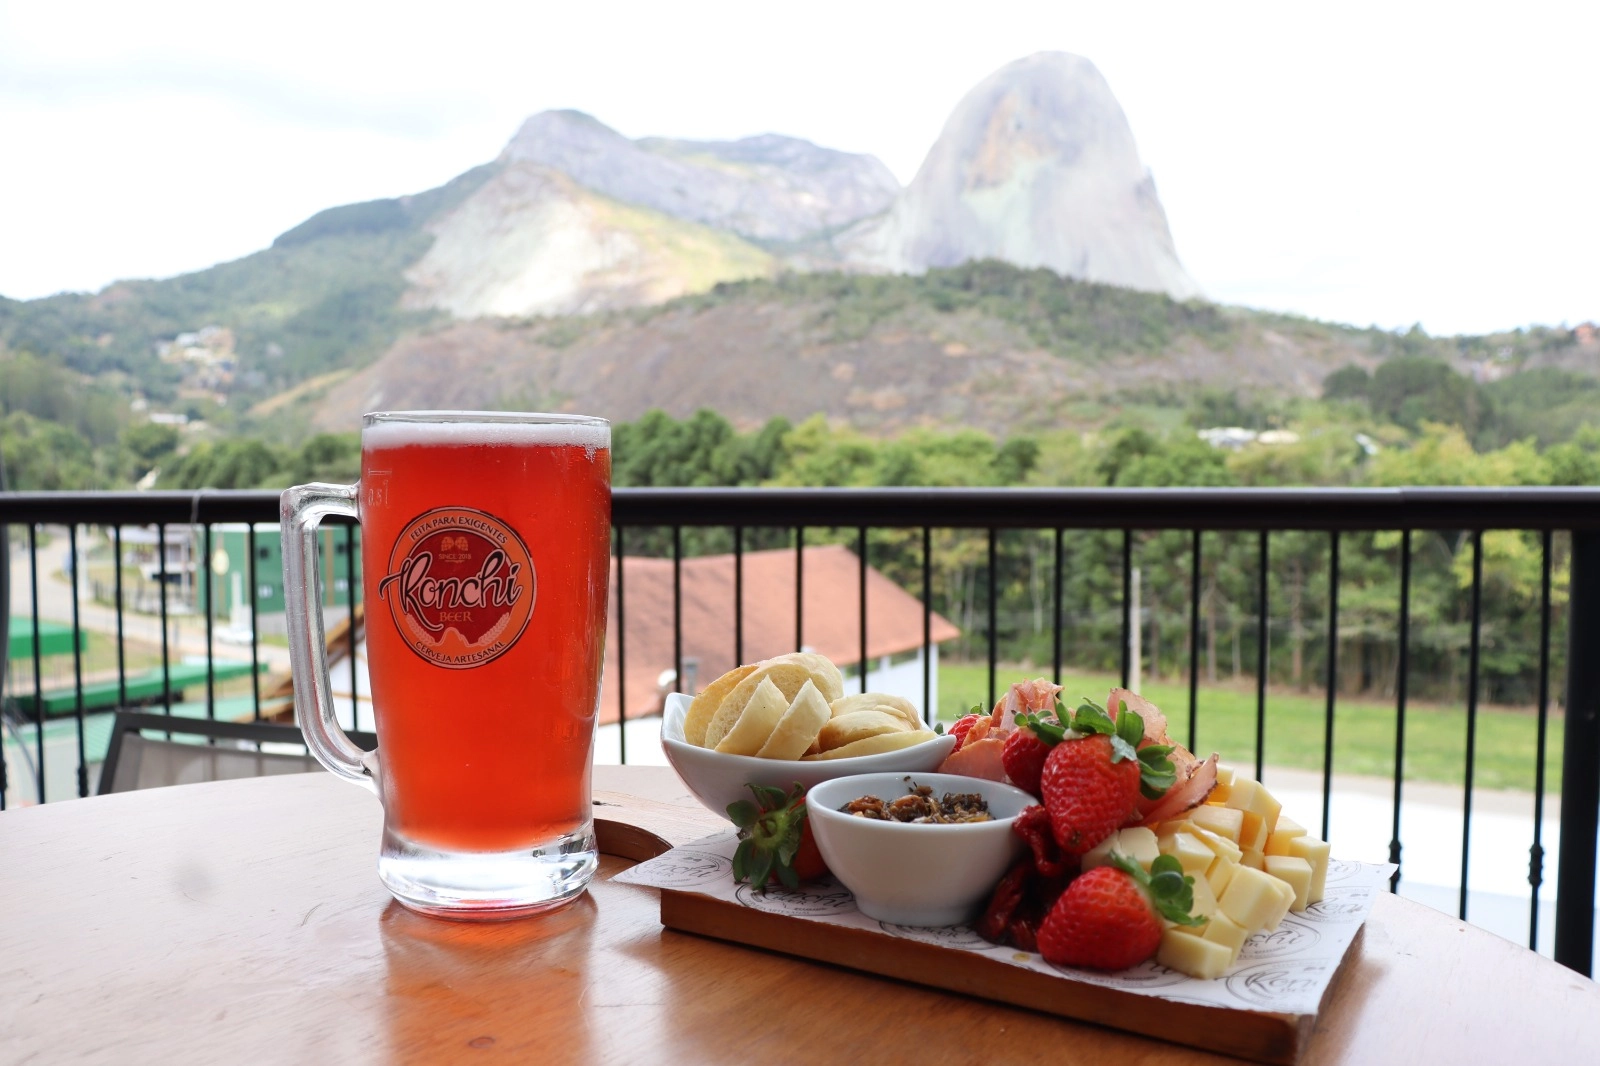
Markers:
point(460, 585)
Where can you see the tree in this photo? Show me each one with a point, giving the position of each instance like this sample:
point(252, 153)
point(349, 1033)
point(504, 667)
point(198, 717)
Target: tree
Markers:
point(228, 464)
point(1411, 390)
point(45, 456)
point(1349, 382)
point(146, 446)
point(333, 457)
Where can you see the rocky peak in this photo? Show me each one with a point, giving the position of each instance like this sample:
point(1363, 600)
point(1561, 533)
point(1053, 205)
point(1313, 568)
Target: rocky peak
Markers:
point(1036, 166)
point(768, 187)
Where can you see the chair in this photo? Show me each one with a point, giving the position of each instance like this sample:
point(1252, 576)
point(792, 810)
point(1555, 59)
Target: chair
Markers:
point(134, 761)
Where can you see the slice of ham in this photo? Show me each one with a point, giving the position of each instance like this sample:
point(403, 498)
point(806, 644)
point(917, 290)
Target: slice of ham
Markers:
point(1155, 728)
point(1196, 779)
point(980, 752)
point(980, 759)
point(1024, 696)
point(1188, 793)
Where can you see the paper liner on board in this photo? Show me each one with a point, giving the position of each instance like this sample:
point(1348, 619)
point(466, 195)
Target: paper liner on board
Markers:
point(1285, 971)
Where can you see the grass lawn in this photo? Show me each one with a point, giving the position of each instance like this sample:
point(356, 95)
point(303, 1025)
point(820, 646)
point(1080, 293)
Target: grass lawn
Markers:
point(1363, 730)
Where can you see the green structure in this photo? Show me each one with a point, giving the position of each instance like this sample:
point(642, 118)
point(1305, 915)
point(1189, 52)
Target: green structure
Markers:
point(229, 569)
point(54, 638)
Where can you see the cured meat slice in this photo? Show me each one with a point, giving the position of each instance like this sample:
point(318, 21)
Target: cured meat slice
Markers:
point(981, 759)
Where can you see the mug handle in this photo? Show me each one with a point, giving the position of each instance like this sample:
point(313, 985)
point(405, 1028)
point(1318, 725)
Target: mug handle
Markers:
point(302, 510)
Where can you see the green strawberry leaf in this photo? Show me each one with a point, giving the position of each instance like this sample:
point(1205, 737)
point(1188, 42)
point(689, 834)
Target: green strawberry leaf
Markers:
point(1156, 772)
point(1130, 727)
point(1170, 890)
point(1092, 718)
point(743, 813)
point(1049, 731)
point(938, 729)
point(770, 831)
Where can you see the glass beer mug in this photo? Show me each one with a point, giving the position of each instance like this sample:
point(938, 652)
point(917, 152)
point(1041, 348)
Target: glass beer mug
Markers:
point(485, 545)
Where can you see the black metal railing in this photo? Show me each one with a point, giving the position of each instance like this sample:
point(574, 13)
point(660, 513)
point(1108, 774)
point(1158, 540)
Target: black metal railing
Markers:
point(1572, 513)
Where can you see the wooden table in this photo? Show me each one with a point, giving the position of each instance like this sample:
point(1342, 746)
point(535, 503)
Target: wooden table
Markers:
point(243, 922)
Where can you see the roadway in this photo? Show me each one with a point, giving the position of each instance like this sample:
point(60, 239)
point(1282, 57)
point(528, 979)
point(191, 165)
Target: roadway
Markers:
point(186, 633)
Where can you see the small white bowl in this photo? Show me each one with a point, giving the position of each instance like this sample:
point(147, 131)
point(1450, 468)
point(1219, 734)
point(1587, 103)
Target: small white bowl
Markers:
point(718, 779)
point(907, 873)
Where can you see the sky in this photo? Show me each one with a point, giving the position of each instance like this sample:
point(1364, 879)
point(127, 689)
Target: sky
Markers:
point(1381, 164)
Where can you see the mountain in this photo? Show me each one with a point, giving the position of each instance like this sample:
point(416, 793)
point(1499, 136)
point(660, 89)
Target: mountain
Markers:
point(1037, 167)
point(766, 188)
point(533, 241)
point(985, 344)
point(1026, 276)
point(578, 218)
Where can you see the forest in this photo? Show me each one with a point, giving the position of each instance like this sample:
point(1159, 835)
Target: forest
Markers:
point(1412, 421)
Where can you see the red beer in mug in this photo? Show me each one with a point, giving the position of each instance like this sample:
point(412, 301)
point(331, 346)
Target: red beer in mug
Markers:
point(485, 560)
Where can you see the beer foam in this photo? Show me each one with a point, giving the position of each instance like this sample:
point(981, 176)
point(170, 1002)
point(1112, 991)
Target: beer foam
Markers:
point(590, 435)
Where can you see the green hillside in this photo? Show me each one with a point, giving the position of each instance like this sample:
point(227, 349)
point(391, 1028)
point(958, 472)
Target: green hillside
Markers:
point(325, 295)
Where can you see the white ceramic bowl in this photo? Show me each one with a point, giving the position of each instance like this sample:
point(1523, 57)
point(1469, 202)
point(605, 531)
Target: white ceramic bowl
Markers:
point(718, 779)
point(910, 874)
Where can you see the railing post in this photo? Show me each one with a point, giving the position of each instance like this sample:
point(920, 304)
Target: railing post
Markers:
point(1580, 761)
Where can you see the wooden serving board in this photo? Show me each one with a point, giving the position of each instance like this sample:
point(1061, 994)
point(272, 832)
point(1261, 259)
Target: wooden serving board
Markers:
point(655, 827)
point(1258, 1035)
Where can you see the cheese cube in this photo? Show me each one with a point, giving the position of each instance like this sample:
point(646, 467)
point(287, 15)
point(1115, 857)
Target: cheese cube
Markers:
point(1219, 875)
point(1136, 843)
point(1205, 900)
point(1192, 955)
point(1296, 873)
point(1192, 855)
point(1252, 832)
point(1285, 901)
point(1100, 854)
point(1278, 839)
point(1253, 859)
point(1251, 898)
point(1224, 848)
point(1315, 852)
point(1223, 821)
point(1252, 796)
point(1225, 931)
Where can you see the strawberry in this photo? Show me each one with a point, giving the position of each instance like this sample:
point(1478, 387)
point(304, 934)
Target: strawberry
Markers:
point(964, 726)
point(1027, 748)
point(1091, 782)
point(1033, 826)
point(1110, 918)
point(1017, 906)
point(775, 842)
point(1088, 790)
point(807, 862)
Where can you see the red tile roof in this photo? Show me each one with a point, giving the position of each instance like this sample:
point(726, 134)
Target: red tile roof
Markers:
point(831, 619)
